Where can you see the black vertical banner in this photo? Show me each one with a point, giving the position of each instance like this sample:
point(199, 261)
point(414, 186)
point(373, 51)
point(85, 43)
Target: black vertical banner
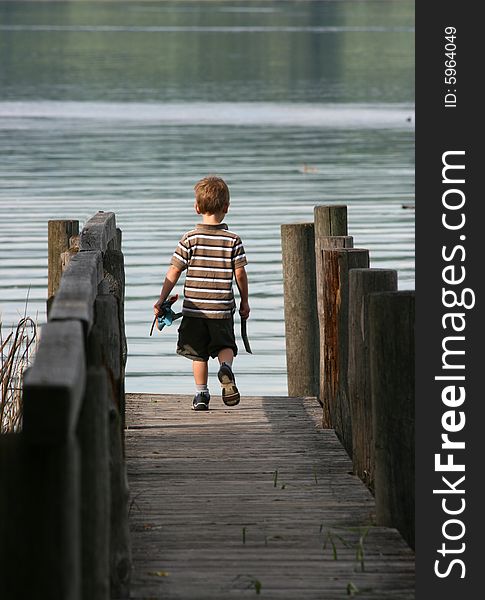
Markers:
point(450, 436)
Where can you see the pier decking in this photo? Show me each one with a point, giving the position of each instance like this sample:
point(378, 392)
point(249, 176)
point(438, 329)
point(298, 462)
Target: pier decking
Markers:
point(253, 500)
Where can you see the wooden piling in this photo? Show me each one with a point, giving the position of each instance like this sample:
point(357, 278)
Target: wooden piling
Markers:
point(104, 343)
point(39, 531)
point(361, 283)
point(59, 236)
point(301, 319)
point(391, 329)
point(120, 544)
point(322, 243)
point(330, 220)
point(93, 431)
point(114, 277)
point(334, 344)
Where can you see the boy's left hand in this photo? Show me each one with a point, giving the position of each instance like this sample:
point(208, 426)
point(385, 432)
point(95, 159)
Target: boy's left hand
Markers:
point(244, 310)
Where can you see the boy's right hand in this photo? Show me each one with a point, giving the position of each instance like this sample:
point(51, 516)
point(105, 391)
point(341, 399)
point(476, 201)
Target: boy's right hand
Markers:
point(244, 310)
point(157, 307)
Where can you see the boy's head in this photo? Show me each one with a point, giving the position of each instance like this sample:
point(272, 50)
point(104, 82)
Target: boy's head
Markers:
point(211, 196)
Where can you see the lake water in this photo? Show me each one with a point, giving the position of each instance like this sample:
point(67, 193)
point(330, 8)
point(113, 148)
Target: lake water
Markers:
point(123, 106)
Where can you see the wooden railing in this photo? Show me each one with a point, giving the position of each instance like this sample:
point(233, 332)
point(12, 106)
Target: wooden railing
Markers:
point(63, 487)
point(350, 342)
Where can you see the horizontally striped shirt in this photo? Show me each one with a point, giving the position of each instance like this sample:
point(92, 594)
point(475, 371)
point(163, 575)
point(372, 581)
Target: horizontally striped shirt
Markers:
point(210, 253)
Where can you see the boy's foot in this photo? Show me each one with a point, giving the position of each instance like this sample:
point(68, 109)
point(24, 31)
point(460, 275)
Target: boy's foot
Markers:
point(230, 393)
point(201, 401)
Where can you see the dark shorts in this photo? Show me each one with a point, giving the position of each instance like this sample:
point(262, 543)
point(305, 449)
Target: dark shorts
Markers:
point(200, 338)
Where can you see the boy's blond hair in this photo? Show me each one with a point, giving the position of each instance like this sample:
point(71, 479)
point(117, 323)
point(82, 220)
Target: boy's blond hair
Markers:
point(211, 195)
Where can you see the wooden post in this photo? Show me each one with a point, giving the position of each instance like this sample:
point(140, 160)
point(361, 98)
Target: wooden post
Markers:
point(120, 546)
point(59, 235)
point(104, 350)
point(114, 270)
point(321, 243)
point(330, 232)
point(104, 344)
point(361, 283)
point(93, 431)
point(334, 345)
point(391, 328)
point(330, 220)
point(301, 320)
point(40, 547)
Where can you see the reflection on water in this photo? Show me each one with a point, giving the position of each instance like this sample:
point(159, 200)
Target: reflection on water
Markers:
point(102, 120)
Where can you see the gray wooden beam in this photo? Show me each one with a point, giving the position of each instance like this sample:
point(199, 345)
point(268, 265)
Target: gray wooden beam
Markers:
point(54, 384)
point(98, 232)
point(78, 289)
point(93, 434)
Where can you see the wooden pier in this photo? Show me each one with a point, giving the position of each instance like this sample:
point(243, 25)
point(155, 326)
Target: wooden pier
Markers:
point(106, 495)
point(257, 498)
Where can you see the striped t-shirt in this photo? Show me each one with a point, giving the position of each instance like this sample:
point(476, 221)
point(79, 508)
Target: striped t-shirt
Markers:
point(210, 253)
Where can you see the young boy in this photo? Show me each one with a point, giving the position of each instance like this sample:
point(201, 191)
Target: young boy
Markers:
point(212, 255)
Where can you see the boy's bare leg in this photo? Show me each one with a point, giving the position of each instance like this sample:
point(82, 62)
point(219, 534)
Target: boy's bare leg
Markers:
point(202, 396)
point(201, 372)
point(226, 355)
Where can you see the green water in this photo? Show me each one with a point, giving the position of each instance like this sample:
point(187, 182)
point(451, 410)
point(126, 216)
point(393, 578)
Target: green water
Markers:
point(124, 105)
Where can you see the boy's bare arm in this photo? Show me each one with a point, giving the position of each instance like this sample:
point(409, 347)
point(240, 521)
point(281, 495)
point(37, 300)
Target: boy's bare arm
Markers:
point(171, 279)
point(242, 285)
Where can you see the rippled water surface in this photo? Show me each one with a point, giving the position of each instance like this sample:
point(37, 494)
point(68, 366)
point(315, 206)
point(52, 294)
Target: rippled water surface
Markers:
point(124, 106)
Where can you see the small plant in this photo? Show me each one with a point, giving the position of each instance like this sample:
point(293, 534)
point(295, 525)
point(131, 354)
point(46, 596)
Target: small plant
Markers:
point(360, 548)
point(16, 353)
point(352, 590)
point(315, 474)
point(357, 546)
point(275, 478)
point(256, 584)
point(330, 539)
point(252, 582)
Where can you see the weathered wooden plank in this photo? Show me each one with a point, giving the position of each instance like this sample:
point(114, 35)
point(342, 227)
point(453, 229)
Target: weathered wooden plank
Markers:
point(391, 327)
point(39, 519)
point(96, 493)
point(116, 242)
point(54, 384)
point(361, 283)
point(199, 479)
point(334, 345)
point(104, 344)
point(120, 543)
point(322, 243)
point(98, 232)
point(114, 279)
point(77, 292)
point(114, 276)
